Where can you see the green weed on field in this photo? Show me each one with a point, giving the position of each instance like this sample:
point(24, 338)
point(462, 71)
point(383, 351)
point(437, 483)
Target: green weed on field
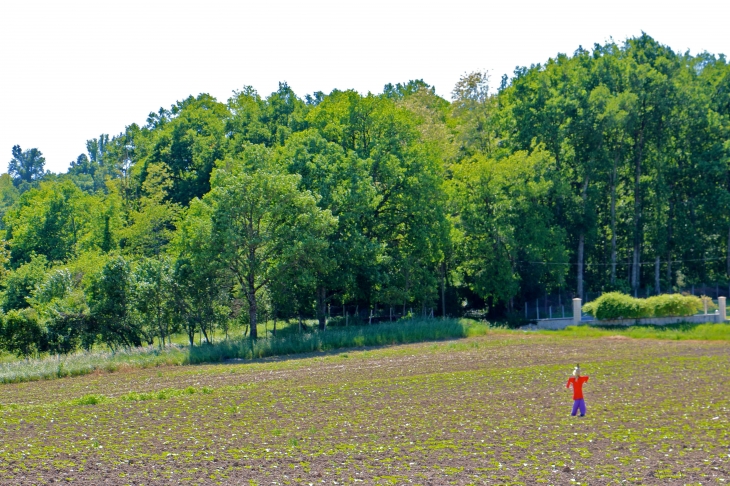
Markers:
point(657, 415)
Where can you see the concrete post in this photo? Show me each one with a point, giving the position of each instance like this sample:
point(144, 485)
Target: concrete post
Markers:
point(576, 311)
point(722, 309)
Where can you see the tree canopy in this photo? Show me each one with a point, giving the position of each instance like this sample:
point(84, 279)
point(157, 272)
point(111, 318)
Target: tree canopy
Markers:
point(607, 169)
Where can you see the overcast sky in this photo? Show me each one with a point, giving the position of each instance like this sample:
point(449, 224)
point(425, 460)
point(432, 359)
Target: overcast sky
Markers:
point(71, 70)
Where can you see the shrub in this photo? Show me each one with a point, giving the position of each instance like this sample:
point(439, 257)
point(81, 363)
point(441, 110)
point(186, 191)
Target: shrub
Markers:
point(20, 283)
point(674, 305)
point(22, 334)
point(615, 305)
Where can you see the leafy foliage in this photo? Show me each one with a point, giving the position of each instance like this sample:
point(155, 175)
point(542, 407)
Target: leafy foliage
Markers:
point(615, 305)
point(26, 166)
point(602, 170)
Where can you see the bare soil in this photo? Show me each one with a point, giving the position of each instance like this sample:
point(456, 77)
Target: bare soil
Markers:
point(491, 410)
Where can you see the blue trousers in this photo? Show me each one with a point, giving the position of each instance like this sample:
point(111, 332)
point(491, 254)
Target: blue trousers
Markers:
point(579, 404)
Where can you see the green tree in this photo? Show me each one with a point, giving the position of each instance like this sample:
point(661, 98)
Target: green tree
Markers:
point(8, 195)
point(152, 222)
point(477, 115)
point(50, 220)
point(22, 334)
point(199, 288)
point(404, 174)
point(504, 227)
point(188, 139)
point(61, 306)
point(261, 224)
point(345, 188)
point(152, 287)
point(90, 172)
point(20, 283)
point(111, 306)
point(26, 166)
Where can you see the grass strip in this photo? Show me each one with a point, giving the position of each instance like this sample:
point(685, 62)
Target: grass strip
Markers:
point(402, 332)
point(678, 332)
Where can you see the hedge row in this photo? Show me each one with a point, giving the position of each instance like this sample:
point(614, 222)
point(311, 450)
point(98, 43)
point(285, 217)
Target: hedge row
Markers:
point(615, 305)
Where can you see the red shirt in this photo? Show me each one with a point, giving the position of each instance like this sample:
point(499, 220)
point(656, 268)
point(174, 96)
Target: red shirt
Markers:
point(577, 386)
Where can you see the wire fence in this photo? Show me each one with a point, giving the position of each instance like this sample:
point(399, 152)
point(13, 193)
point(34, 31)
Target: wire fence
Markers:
point(376, 314)
point(556, 305)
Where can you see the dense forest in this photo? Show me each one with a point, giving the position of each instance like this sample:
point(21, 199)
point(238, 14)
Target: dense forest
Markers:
point(605, 170)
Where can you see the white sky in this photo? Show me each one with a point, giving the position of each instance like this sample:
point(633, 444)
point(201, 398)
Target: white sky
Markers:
point(71, 70)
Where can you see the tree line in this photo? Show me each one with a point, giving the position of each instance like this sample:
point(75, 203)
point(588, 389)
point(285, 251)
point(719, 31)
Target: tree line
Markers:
point(603, 170)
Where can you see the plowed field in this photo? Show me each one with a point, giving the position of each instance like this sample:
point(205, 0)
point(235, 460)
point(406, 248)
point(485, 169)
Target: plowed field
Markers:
point(488, 410)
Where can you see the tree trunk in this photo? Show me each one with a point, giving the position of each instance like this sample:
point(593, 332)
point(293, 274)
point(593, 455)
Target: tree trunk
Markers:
point(628, 268)
point(322, 307)
point(251, 290)
point(163, 337)
point(669, 245)
point(613, 223)
point(635, 273)
point(581, 242)
point(669, 273)
point(443, 287)
point(728, 253)
point(579, 279)
point(205, 334)
point(252, 313)
point(657, 284)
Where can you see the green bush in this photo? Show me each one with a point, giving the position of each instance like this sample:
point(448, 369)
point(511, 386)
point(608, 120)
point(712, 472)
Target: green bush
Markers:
point(615, 305)
point(669, 305)
point(20, 283)
point(21, 333)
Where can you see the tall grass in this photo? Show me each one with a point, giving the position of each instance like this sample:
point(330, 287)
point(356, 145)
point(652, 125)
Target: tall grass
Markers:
point(83, 363)
point(401, 332)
